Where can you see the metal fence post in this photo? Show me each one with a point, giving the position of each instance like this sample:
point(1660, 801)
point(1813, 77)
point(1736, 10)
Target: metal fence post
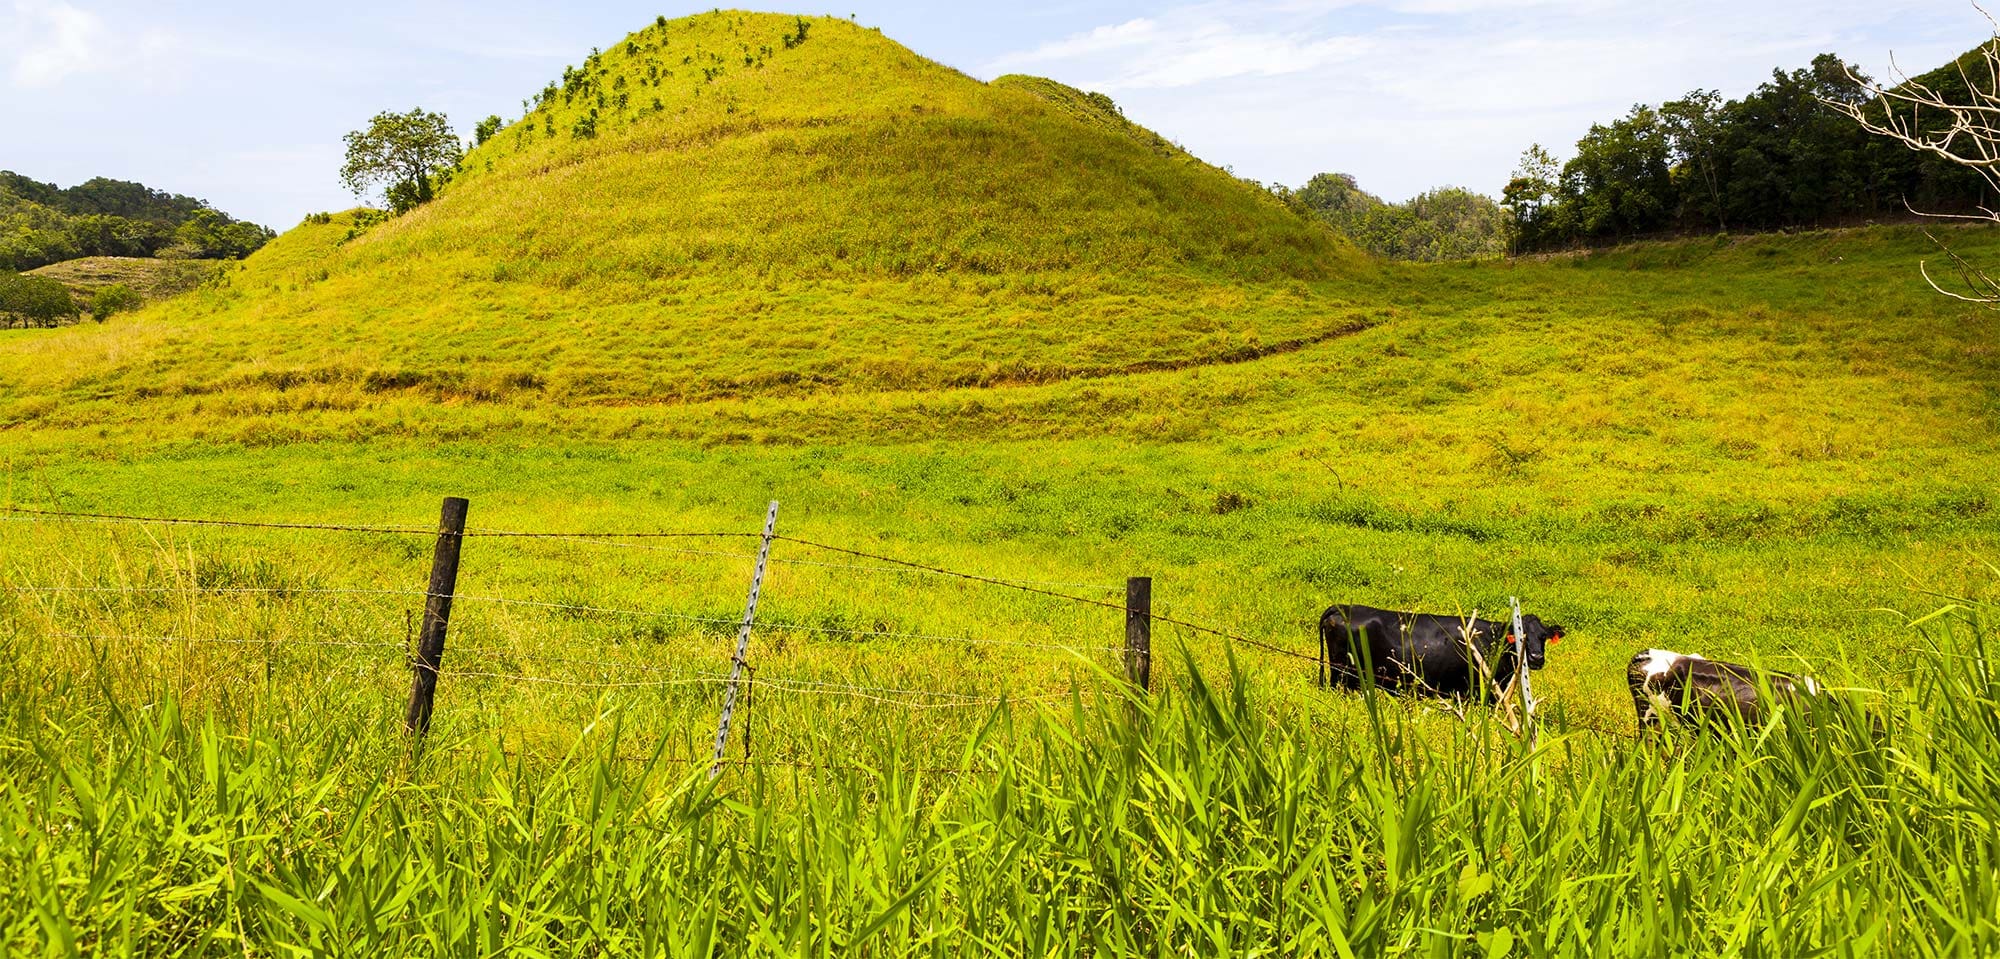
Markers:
point(743, 640)
point(1522, 678)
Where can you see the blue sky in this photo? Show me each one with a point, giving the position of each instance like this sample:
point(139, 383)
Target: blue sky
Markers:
point(244, 104)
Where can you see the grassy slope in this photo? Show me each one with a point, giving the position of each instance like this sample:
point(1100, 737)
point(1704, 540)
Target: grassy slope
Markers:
point(1740, 448)
point(846, 215)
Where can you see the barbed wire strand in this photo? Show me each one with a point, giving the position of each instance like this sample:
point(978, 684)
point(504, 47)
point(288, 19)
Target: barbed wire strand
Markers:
point(221, 591)
point(932, 572)
point(122, 637)
point(706, 761)
point(28, 514)
point(1197, 627)
point(960, 700)
point(476, 532)
point(789, 627)
point(32, 514)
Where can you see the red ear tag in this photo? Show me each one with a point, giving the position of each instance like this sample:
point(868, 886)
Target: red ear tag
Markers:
point(1510, 639)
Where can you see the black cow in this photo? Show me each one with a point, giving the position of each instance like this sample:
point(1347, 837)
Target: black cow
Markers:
point(1692, 688)
point(1421, 652)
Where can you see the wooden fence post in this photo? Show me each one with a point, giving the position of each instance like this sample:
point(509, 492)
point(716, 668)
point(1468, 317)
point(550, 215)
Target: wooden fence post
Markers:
point(743, 640)
point(1139, 631)
point(437, 615)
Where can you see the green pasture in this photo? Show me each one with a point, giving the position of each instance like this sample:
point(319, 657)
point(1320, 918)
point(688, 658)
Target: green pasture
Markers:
point(1706, 447)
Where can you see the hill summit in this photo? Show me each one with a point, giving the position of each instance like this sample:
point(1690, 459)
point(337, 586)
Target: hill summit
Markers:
point(739, 204)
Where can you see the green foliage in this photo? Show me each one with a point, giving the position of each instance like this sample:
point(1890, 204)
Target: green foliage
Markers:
point(1445, 224)
point(798, 35)
point(1777, 158)
point(209, 235)
point(113, 299)
point(408, 156)
point(34, 301)
point(41, 223)
point(486, 129)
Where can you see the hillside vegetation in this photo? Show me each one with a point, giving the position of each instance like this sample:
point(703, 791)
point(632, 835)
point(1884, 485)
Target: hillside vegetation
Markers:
point(41, 223)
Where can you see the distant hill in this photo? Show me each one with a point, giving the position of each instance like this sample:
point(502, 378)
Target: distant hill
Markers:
point(41, 223)
point(151, 278)
point(737, 204)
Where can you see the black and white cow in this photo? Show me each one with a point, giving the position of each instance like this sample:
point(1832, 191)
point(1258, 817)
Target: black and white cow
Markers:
point(1692, 688)
point(1421, 652)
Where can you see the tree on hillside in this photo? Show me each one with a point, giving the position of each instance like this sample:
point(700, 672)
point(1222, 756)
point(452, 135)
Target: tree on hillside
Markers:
point(408, 156)
point(1338, 199)
point(211, 236)
point(486, 128)
point(114, 299)
point(34, 301)
point(1952, 115)
point(1446, 224)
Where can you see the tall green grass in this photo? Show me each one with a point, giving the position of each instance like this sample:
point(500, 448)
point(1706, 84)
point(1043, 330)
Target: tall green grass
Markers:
point(1208, 820)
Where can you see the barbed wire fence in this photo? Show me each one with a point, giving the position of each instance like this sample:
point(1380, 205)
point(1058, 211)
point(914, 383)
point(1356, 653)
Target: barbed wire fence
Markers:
point(425, 647)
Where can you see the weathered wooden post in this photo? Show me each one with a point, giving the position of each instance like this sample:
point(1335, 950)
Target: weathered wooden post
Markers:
point(1139, 631)
point(437, 616)
point(743, 640)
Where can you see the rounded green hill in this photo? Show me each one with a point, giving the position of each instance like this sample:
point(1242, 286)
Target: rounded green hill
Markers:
point(741, 204)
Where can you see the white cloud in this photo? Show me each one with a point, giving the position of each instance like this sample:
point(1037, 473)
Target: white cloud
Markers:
point(1413, 94)
point(48, 41)
point(1183, 49)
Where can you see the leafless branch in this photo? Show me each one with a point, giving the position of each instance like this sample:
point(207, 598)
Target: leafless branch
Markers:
point(1963, 130)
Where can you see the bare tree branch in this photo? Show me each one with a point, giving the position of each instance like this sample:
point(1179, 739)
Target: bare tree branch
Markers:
point(1963, 130)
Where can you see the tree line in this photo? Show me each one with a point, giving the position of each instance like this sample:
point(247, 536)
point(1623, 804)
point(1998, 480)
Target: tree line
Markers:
point(41, 223)
point(1782, 157)
point(1788, 155)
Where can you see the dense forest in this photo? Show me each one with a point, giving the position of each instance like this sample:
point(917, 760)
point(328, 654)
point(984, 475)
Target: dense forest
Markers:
point(41, 223)
point(1779, 158)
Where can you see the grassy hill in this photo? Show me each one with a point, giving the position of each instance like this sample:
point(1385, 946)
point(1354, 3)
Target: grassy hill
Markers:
point(838, 215)
point(993, 328)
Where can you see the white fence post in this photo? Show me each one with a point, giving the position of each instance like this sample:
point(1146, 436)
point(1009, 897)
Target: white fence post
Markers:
point(1522, 678)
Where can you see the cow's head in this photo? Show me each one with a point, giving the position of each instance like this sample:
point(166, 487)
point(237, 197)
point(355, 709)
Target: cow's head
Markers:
point(1535, 645)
